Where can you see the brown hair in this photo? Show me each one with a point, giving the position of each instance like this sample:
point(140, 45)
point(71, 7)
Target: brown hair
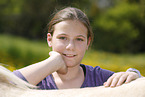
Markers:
point(70, 13)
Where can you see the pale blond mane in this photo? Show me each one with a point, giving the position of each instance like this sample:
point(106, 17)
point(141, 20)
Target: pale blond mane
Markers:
point(8, 77)
point(12, 86)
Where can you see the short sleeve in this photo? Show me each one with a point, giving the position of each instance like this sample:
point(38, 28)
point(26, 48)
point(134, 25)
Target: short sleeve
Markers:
point(19, 74)
point(101, 75)
point(105, 74)
point(95, 76)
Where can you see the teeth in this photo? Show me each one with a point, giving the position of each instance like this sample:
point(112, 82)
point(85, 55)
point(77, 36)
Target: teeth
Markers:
point(69, 55)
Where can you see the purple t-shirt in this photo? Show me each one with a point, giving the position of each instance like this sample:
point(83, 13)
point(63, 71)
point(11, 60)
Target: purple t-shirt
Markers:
point(94, 76)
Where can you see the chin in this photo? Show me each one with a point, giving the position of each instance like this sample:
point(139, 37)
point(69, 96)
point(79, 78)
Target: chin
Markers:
point(71, 65)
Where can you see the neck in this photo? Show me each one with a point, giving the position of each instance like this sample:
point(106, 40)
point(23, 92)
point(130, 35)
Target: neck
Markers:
point(73, 79)
point(73, 73)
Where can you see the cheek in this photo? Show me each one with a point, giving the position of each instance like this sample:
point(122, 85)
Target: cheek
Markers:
point(82, 48)
point(57, 47)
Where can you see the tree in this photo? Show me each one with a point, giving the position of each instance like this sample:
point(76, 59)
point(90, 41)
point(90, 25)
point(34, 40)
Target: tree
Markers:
point(120, 29)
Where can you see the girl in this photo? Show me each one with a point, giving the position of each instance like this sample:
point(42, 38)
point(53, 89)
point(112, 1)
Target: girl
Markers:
point(69, 35)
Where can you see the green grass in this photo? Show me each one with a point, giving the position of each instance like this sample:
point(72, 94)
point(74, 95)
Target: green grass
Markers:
point(115, 62)
point(18, 52)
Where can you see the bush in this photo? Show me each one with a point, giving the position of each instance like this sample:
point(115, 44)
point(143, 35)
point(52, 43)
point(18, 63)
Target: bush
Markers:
point(117, 29)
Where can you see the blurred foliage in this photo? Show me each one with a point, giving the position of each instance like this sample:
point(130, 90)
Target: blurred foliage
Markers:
point(120, 29)
point(118, 25)
point(18, 52)
point(28, 18)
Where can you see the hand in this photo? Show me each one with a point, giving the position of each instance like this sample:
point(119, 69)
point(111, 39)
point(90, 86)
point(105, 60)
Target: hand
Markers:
point(61, 64)
point(119, 78)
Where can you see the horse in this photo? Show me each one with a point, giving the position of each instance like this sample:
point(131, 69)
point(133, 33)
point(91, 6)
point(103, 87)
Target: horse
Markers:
point(12, 86)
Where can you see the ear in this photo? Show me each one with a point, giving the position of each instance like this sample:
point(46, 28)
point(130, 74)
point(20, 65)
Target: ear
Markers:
point(49, 38)
point(88, 43)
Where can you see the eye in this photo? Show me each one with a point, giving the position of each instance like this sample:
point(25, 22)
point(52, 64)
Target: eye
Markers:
point(62, 38)
point(80, 39)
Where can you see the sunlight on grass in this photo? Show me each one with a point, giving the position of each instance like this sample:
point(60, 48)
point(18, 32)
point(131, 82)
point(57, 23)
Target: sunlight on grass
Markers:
point(115, 62)
point(20, 52)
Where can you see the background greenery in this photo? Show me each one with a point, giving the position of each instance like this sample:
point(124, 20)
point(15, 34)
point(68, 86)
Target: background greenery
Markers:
point(118, 26)
point(19, 52)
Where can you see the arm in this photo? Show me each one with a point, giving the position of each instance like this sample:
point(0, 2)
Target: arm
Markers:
point(37, 72)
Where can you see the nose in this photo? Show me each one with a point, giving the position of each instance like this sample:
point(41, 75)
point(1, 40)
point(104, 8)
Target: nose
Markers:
point(70, 45)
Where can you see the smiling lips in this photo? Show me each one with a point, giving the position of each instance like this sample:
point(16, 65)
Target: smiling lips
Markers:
point(69, 55)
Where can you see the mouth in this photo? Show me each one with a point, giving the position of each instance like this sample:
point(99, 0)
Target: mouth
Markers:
point(69, 55)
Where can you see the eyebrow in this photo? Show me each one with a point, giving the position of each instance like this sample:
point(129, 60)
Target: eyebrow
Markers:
point(81, 36)
point(62, 34)
point(77, 36)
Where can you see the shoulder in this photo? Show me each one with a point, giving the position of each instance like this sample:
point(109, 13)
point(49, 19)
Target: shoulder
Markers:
point(96, 74)
point(96, 69)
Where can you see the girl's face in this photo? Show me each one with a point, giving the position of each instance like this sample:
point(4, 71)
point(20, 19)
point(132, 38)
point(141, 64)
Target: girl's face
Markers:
point(70, 40)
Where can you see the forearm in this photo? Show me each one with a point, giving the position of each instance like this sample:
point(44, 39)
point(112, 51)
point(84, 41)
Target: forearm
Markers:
point(37, 72)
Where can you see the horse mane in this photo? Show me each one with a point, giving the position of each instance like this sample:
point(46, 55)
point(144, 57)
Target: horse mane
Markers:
point(12, 86)
point(7, 77)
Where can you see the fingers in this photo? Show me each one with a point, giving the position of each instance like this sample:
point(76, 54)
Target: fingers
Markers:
point(122, 79)
point(62, 68)
point(118, 79)
point(131, 76)
point(114, 79)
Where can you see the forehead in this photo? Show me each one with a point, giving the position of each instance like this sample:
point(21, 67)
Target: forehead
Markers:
point(71, 26)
